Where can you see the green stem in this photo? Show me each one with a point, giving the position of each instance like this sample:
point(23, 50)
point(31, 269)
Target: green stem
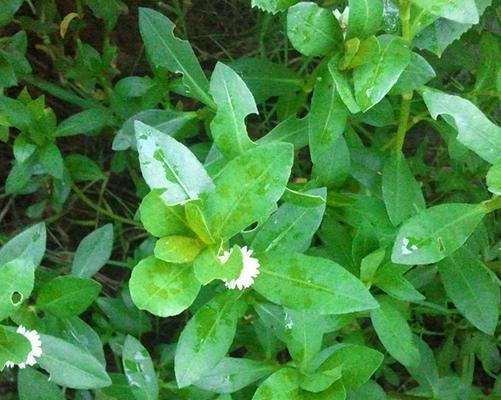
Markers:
point(405, 18)
point(405, 110)
point(103, 211)
point(492, 204)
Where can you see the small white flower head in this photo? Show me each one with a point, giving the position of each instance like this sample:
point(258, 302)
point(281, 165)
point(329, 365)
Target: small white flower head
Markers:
point(250, 269)
point(342, 18)
point(405, 247)
point(36, 348)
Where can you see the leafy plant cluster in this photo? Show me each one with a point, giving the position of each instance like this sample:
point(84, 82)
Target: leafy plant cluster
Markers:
point(312, 220)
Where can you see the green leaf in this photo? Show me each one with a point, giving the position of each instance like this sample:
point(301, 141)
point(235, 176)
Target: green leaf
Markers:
point(51, 159)
point(17, 278)
point(374, 80)
point(233, 374)
point(475, 130)
point(327, 121)
point(463, 11)
point(304, 199)
point(282, 385)
point(124, 317)
point(14, 347)
point(197, 221)
point(266, 79)
point(161, 288)
point(234, 102)
point(371, 390)
point(358, 363)
point(313, 30)
point(85, 122)
point(208, 267)
point(139, 370)
point(166, 50)
point(70, 366)
point(273, 6)
point(389, 277)
point(177, 249)
point(33, 385)
point(66, 296)
point(291, 227)
point(311, 284)
point(370, 264)
point(394, 332)
point(83, 169)
point(401, 192)
point(418, 73)
point(343, 87)
point(441, 33)
point(365, 18)
point(207, 337)
point(493, 179)
point(471, 288)
point(488, 72)
point(93, 252)
point(161, 219)
point(435, 233)
point(167, 164)
point(172, 123)
point(292, 130)
point(248, 188)
point(426, 372)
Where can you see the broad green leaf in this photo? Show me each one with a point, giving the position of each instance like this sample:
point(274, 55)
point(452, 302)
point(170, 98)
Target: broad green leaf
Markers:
point(313, 30)
point(33, 385)
point(304, 199)
point(389, 277)
point(311, 284)
point(335, 392)
point(327, 121)
point(14, 347)
point(207, 337)
point(394, 332)
point(207, 266)
point(291, 227)
point(70, 366)
point(282, 385)
point(320, 381)
point(365, 18)
point(139, 370)
point(371, 390)
point(173, 123)
point(49, 156)
point(166, 50)
point(233, 374)
point(493, 179)
point(197, 221)
point(463, 11)
point(472, 290)
point(29, 245)
point(66, 296)
point(161, 219)
point(357, 363)
point(85, 122)
point(370, 264)
point(234, 102)
point(435, 233)
point(475, 130)
point(374, 80)
point(248, 188)
point(120, 388)
point(83, 169)
point(17, 278)
point(441, 33)
point(266, 79)
point(9, 8)
point(489, 68)
point(177, 249)
point(273, 6)
point(169, 165)
point(418, 73)
point(161, 288)
point(343, 87)
point(124, 317)
point(426, 372)
point(93, 252)
point(401, 192)
point(292, 130)
point(76, 331)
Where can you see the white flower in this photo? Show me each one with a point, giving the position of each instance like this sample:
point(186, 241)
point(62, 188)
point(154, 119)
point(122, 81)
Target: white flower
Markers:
point(36, 347)
point(342, 17)
point(405, 247)
point(250, 269)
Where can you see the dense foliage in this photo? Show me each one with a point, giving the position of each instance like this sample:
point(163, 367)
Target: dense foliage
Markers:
point(305, 209)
